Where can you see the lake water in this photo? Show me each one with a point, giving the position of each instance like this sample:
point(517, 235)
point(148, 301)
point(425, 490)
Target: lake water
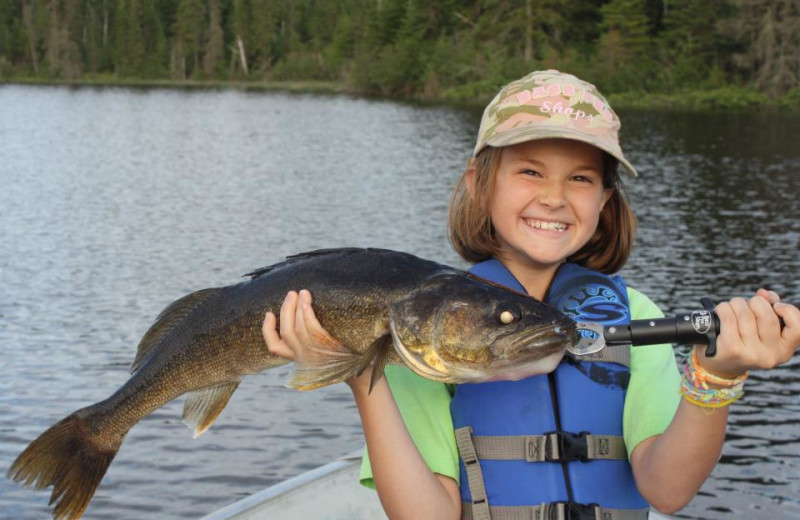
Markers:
point(114, 202)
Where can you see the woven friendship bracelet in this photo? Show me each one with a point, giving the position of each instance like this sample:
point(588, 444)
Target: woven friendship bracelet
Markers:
point(703, 378)
point(706, 397)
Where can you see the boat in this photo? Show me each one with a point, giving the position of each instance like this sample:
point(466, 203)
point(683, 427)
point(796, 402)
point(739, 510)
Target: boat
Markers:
point(330, 492)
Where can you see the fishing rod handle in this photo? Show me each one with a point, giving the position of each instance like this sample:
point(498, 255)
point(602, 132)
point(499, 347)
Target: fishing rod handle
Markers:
point(696, 327)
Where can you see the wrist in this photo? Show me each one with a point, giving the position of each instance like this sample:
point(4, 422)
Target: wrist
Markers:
point(360, 384)
point(713, 375)
point(708, 390)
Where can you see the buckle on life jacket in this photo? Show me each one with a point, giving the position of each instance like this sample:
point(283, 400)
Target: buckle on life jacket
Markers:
point(571, 511)
point(566, 446)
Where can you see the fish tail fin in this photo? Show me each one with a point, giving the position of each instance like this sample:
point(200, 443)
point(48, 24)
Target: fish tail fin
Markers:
point(65, 457)
point(333, 362)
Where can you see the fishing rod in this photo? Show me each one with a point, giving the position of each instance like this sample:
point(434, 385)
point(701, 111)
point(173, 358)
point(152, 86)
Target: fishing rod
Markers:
point(693, 328)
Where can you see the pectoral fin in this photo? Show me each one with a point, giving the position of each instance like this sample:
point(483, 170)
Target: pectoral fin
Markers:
point(204, 406)
point(327, 362)
point(377, 355)
point(335, 363)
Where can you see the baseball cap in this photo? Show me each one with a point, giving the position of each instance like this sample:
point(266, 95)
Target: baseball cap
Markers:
point(551, 104)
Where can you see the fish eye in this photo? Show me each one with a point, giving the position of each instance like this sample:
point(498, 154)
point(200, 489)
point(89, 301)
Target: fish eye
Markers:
point(507, 314)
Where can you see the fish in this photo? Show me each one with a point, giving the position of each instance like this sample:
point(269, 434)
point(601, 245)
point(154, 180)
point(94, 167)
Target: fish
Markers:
point(381, 306)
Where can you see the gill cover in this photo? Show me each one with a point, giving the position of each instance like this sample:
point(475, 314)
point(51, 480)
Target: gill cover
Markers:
point(413, 325)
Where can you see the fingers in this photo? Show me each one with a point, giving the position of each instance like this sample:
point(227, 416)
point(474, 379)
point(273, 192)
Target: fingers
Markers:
point(302, 308)
point(790, 334)
point(745, 319)
point(299, 328)
point(751, 336)
point(314, 332)
point(789, 314)
point(771, 296)
point(288, 318)
point(285, 343)
point(274, 342)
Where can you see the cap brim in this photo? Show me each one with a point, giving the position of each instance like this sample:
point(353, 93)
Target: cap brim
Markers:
point(534, 132)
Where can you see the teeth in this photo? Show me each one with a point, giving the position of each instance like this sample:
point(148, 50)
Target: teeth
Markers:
point(552, 226)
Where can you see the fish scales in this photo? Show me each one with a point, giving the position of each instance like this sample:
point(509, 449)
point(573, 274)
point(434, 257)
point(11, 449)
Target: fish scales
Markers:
point(380, 305)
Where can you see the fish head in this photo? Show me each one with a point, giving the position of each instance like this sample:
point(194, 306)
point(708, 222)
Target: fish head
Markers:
point(458, 328)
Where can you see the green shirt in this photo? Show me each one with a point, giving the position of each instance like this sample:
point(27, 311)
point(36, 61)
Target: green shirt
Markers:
point(652, 399)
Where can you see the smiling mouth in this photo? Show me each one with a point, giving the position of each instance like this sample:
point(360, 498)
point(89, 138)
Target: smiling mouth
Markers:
point(546, 225)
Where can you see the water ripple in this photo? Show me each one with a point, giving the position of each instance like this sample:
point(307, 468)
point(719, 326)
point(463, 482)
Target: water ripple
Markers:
point(117, 201)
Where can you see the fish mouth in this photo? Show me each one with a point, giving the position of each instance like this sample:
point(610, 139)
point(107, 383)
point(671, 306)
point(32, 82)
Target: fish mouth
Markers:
point(544, 339)
point(538, 351)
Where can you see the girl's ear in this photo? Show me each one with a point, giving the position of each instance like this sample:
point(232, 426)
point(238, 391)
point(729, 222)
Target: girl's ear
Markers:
point(607, 193)
point(469, 177)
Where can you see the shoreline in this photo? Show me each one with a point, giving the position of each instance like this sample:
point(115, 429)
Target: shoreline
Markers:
point(724, 99)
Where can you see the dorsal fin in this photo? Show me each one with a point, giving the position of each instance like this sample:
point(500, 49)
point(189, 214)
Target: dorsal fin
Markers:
point(170, 317)
point(310, 254)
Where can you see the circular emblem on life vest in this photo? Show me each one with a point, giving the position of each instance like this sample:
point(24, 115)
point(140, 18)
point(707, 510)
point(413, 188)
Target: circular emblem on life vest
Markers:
point(591, 298)
point(593, 303)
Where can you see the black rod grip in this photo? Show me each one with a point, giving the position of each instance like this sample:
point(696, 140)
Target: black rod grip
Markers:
point(690, 329)
point(694, 328)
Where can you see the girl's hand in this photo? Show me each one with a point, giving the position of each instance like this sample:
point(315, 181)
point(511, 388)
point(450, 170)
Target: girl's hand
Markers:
point(751, 337)
point(301, 333)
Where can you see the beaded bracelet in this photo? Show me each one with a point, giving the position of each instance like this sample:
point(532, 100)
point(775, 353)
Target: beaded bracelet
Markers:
point(694, 387)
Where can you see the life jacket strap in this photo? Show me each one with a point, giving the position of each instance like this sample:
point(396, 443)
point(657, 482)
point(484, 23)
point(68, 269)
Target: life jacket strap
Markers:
point(479, 508)
point(557, 511)
point(550, 447)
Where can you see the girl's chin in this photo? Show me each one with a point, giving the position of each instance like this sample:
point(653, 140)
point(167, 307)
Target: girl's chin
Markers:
point(540, 260)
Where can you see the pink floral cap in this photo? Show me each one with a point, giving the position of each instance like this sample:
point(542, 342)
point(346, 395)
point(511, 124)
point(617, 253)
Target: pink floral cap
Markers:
point(551, 104)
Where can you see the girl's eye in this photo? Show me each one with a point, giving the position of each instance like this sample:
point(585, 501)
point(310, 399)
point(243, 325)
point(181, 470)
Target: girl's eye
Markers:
point(584, 178)
point(530, 172)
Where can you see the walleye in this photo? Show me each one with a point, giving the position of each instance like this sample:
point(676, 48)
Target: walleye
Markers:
point(382, 306)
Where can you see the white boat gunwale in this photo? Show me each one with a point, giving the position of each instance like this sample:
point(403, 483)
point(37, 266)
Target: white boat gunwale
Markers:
point(329, 492)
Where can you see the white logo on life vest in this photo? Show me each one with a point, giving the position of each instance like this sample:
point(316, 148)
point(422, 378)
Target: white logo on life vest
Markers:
point(701, 321)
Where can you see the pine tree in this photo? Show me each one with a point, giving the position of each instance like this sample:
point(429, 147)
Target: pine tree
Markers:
point(690, 47)
point(215, 40)
point(625, 48)
point(189, 32)
point(768, 32)
point(13, 38)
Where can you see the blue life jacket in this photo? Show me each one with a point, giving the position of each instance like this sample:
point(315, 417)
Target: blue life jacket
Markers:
point(578, 397)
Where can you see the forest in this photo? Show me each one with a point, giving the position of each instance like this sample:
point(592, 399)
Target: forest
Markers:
point(682, 53)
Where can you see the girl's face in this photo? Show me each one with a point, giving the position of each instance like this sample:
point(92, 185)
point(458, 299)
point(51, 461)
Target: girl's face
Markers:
point(547, 199)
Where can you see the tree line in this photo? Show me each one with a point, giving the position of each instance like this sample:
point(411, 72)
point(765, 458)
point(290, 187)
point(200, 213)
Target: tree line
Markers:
point(435, 49)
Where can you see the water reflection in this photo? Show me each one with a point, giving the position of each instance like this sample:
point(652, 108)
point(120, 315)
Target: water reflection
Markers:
point(718, 208)
point(116, 201)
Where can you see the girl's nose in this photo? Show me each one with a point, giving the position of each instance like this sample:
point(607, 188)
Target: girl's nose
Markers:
point(552, 194)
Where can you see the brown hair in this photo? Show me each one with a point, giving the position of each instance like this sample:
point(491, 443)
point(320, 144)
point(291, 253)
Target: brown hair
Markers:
point(472, 233)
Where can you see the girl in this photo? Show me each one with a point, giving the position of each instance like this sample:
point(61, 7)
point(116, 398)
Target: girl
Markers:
point(541, 209)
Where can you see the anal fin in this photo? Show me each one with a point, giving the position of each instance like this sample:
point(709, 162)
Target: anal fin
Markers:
point(204, 406)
